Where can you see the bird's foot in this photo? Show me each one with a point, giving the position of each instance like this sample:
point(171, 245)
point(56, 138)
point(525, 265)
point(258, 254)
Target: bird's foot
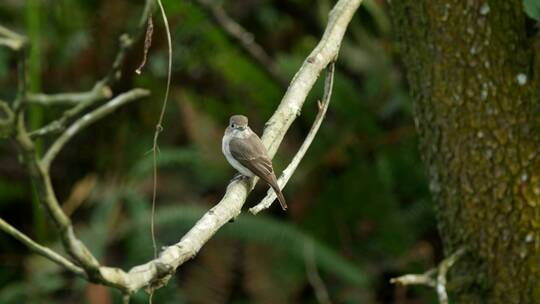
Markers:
point(238, 176)
point(233, 219)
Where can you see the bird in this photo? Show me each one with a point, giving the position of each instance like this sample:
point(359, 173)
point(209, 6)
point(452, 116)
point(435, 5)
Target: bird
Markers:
point(245, 152)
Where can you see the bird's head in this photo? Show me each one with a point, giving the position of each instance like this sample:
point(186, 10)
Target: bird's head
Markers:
point(238, 122)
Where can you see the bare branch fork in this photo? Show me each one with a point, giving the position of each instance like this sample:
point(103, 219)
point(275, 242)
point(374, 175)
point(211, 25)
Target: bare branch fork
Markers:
point(434, 278)
point(157, 272)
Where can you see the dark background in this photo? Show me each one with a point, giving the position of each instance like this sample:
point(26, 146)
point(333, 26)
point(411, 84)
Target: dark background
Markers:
point(360, 212)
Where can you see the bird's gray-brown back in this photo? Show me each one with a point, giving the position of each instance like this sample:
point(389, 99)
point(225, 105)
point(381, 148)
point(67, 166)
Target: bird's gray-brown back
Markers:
point(250, 152)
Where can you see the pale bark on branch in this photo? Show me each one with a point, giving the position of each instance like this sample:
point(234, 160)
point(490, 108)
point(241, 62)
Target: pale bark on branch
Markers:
point(435, 278)
point(41, 250)
point(96, 93)
point(10, 39)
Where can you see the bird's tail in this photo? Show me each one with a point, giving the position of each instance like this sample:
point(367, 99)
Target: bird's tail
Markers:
point(279, 195)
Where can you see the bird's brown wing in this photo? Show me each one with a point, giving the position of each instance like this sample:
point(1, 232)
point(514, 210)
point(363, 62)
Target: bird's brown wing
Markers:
point(251, 153)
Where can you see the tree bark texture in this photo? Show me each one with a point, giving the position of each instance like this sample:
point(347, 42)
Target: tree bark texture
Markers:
point(471, 69)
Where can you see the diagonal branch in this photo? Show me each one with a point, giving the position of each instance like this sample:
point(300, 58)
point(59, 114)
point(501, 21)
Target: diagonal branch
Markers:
point(11, 39)
point(291, 168)
point(11, 43)
point(10, 34)
point(41, 250)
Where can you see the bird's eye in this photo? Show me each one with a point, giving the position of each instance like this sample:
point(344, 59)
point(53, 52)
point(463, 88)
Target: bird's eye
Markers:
point(233, 125)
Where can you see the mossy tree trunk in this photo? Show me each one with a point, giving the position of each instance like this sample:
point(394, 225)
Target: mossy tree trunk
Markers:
point(472, 72)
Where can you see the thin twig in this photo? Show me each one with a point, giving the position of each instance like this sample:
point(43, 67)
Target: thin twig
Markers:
point(11, 39)
point(97, 93)
point(83, 100)
point(444, 266)
point(435, 278)
point(88, 119)
point(22, 81)
point(244, 38)
point(321, 293)
point(270, 197)
point(159, 126)
point(12, 44)
point(7, 117)
point(4, 31)
point(417, 279)
point(147, 44)
point(41, 250)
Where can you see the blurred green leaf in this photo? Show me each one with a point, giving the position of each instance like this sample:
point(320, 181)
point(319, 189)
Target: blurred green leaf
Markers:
point(10, 190)
point(13, 293)
point(532, 8)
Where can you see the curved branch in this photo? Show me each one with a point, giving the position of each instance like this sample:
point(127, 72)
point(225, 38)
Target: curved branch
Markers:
point(41, 250)
point(291, 168)
point(39, 171)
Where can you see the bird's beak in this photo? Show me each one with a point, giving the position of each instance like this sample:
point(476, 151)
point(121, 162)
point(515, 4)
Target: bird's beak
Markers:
point(241, 128)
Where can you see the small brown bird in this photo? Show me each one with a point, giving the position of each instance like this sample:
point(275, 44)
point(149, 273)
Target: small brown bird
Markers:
point(245, 151)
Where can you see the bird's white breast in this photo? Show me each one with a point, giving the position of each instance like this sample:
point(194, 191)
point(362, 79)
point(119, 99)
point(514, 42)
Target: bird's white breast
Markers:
point(227, 152)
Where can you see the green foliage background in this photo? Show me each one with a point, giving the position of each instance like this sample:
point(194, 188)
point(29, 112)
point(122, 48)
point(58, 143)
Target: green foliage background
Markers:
point(359, 201)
